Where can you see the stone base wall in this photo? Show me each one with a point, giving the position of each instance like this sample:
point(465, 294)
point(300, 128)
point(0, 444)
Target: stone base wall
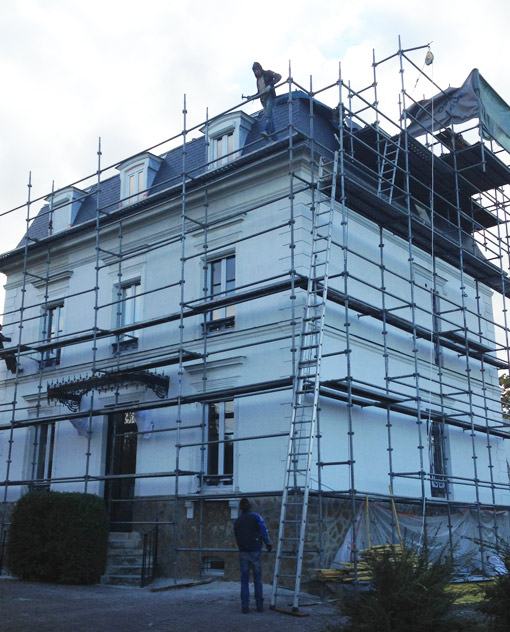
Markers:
point(216, 536)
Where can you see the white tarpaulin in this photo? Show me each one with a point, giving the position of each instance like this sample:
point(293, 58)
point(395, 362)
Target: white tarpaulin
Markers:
point(464, 533)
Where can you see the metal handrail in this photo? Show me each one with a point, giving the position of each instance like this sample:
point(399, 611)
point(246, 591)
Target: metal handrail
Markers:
point(150, 556)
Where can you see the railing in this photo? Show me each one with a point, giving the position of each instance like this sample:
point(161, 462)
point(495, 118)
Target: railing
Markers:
point(3, 546)
point(150, 556)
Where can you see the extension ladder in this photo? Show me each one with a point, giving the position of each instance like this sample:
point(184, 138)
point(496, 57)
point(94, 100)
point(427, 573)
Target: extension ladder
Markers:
point(388, 168)
point(305, 400)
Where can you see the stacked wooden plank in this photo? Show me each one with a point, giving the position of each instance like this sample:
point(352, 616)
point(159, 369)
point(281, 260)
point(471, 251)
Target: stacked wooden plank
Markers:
point(344, 573)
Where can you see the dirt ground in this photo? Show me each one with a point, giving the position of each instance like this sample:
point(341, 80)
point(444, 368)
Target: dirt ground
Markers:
point(37, 607)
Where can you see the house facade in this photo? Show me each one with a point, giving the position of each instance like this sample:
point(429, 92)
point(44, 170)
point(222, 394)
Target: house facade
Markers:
point(156, 322)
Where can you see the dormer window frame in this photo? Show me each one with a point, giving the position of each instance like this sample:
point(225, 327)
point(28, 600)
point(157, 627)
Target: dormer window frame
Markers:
point(226, 135)
point(223, 147)
point(64, 206)
point(137, 176)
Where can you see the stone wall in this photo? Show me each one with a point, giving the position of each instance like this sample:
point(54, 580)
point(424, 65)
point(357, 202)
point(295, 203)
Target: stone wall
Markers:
point(216, 538)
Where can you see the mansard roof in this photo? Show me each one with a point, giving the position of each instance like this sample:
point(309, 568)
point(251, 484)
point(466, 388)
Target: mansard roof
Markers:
point(170, 171)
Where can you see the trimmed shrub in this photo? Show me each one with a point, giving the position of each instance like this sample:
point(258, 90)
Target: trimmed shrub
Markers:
point(58, 537)
point(407, 594)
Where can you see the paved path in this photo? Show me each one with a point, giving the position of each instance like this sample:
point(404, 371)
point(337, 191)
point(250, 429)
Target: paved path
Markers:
point(214, 607)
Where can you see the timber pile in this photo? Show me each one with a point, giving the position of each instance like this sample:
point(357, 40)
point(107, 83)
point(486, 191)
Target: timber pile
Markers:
point(344, 574)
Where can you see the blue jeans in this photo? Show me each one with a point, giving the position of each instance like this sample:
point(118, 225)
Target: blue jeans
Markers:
point(253, 559)
point(268, 106)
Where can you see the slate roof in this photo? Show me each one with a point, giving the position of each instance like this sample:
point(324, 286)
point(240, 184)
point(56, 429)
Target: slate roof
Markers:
point(170, 171)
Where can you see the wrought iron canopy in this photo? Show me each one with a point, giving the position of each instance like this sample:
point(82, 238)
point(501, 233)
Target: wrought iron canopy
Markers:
point(69, 392)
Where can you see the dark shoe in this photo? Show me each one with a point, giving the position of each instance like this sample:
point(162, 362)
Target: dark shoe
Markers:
point(260, 608)
point(245, 610)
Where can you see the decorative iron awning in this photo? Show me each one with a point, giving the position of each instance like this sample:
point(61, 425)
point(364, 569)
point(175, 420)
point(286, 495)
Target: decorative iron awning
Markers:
point(69, 392)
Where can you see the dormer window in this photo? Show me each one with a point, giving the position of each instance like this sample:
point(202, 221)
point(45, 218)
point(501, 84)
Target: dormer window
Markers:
point(223, 148)
point(64, 207)
point(135, 185)
point(227, 136)
point(137, 176)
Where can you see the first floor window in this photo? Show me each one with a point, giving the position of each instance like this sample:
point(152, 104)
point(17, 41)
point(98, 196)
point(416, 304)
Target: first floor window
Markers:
point(52, 319)
point(128, 313)
point(436, 328)
point(221, 280)
point(44, 441)
point(220, 444)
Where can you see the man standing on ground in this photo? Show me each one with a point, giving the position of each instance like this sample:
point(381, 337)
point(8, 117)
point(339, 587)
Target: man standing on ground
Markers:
point(251, 532)
point(266, 80)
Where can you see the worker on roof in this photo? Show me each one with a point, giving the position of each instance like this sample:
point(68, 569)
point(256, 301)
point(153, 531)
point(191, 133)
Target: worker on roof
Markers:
point(266, 80)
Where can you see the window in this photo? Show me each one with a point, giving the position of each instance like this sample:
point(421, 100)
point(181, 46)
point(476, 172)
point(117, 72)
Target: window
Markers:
point(227, 136)
point(438, 481)
point(223, 146)
point(137, 177)
point(220, 449)
point(42, 466)
point(128, 313)
point(213, 566)
point(221, 279)
point(51, 330)
point(135, 185)
point(436, 328)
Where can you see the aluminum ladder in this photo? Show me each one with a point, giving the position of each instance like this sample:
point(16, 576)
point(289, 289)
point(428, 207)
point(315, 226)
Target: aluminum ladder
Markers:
point(305, 399)
point(388, 168)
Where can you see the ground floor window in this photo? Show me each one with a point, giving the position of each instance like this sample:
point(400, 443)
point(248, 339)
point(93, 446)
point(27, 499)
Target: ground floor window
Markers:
point(220, 445)
point(438, 480)
point(42, 465)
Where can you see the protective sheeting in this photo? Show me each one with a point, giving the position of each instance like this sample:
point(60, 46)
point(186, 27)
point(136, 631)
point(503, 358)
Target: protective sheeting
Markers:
point(464, 533)
point(144, 422)
point(474, 99)
point(81, 426)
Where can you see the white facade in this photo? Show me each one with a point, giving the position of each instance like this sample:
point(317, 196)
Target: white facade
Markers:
point(408, 400)
point(257, 348)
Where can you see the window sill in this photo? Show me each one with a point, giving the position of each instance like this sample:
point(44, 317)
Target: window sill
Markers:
point(49, 363)
point(130, 344)
point(218, 480)
point(218, 325)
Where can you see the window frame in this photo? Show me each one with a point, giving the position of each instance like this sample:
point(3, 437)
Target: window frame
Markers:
point(220, 282)
point(136, 177)
point(220, 455)
point(44, 450)
point(223, 148)
point(128, 312)
point(438, 465)
point(52, 357)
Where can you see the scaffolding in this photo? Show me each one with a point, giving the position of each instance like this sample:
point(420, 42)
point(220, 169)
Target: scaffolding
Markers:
point(445, 196)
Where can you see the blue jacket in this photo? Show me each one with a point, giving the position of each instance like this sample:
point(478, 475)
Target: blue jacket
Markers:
point(250, 531)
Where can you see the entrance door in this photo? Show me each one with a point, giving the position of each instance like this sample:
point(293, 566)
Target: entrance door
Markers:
point(121, 460)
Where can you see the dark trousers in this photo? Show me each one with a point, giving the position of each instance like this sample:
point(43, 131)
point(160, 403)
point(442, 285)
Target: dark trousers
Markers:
point(251, 559)
point(268, 106)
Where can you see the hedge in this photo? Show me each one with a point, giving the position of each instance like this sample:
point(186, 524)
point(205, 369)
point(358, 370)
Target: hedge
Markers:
point(58, 537)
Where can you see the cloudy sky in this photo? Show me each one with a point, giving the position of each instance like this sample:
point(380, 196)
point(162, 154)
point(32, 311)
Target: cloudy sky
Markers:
point(76, 70)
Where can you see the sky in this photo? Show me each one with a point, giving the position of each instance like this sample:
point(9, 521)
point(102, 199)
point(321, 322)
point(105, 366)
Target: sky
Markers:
point(76, 70)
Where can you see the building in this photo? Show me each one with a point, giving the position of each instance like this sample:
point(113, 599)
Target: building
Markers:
point(173, 323)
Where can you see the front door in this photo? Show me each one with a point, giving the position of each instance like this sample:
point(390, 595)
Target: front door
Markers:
point(120, 461)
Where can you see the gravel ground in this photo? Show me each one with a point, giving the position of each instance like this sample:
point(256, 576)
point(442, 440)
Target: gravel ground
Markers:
point(37, 607)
